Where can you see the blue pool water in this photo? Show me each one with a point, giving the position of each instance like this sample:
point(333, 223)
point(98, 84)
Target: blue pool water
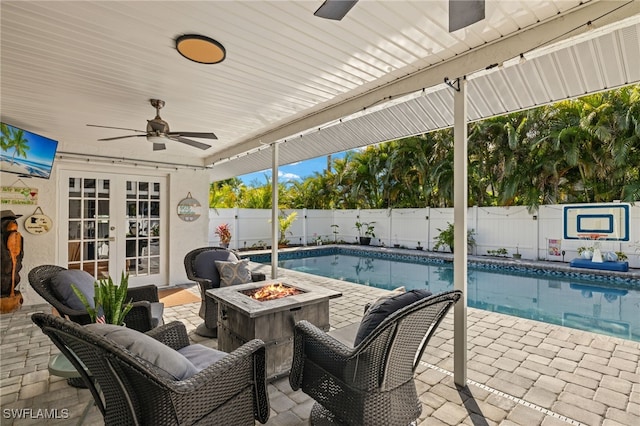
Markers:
point(593, 304)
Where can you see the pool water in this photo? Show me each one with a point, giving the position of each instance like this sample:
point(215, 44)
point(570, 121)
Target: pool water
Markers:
point(589, 305)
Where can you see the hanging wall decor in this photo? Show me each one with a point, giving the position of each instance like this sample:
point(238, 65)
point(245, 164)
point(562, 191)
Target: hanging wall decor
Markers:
point(15, 194)
point(38, 222)
point(189, 209)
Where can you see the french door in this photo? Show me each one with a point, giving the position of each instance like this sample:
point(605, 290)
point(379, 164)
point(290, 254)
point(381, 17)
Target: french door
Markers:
point(115, 224)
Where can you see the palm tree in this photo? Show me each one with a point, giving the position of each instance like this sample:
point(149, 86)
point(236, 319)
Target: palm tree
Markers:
point(13, 138)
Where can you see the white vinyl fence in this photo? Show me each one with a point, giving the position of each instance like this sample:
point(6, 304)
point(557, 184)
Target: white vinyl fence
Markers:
point(513, 229)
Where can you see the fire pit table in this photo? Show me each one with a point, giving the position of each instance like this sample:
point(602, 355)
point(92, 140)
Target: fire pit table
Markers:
point(242, 317)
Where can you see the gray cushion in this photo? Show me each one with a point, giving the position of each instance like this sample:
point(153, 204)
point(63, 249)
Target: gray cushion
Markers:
point(205, 267)
point(381, 310)
point(157, 311)
point(201, 356)
point(233, 273)
point(170, 363)
point(61, 285)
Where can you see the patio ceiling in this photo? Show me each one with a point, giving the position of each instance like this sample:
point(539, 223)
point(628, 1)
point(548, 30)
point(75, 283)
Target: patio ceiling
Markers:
point(287, 73)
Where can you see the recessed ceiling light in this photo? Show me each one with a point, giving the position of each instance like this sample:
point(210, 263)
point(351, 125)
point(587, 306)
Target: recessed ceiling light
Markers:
point(201, 49)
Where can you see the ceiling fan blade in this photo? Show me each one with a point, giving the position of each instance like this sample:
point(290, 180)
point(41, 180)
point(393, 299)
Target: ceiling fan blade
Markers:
point(117, 128)
point(159, 146)
point(194, 135)
point(335, 9)
point(463, 13)
point(121, 137)
point(189, 142)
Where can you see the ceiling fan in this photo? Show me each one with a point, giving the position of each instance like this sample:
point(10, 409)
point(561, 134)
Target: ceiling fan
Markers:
point(462, 13)
point(158, 132)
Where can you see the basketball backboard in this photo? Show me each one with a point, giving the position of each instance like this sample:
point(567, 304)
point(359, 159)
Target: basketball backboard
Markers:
point(608, 222)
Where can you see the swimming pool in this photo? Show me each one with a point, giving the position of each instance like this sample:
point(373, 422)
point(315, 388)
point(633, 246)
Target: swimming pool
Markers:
point(597, 304)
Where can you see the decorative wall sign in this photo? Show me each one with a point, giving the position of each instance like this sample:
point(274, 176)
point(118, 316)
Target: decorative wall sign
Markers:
point(19, 194)
point(189, 209)
point(38, 223)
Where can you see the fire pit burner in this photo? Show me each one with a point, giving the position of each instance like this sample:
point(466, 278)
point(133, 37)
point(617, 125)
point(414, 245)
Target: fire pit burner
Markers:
point(271, 292)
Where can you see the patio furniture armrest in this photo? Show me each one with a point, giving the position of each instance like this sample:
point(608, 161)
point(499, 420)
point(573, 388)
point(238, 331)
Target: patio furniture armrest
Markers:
point(173, 334)
point(139, 317)
point(147, 292)
point(240, 371)
point(258, 276)
point(314, 344)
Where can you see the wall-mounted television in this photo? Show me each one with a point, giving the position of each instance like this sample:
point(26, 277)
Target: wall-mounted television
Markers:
point(25, 153)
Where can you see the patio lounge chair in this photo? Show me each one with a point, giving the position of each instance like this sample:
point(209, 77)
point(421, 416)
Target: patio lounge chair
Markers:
point(200, 267)
point(371, 383)
point(158, 378)
point(146, 313)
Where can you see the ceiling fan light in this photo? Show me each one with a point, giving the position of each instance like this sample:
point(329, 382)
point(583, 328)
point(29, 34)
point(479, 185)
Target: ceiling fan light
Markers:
point(200, 49)
point(156, 139)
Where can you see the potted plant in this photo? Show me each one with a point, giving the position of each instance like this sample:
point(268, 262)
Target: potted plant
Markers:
point(585, 252)
point(335, 232)
point(445, 238)
point(418, 247)
point(517, 254)
point(365, 232)
point(109, 298)
point(285, 223)
point(224, 233)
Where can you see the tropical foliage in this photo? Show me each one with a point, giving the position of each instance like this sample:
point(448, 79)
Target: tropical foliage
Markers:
point(109, 300)
point(13, 139)
point(575, 151)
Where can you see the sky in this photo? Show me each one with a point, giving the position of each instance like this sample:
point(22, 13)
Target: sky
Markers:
point(295, 171)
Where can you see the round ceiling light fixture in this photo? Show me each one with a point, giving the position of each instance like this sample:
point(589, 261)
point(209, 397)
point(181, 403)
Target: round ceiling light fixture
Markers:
point(200, 49)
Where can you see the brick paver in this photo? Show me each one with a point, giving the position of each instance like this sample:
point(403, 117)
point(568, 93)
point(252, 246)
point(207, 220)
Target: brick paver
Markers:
point(523, 372)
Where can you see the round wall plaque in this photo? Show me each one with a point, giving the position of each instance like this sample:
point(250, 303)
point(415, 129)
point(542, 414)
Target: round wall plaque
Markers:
point(38, 224)
point(189, 209)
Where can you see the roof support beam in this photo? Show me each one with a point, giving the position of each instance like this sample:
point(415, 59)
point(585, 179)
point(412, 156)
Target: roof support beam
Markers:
point(559, 28)
point(460, 198)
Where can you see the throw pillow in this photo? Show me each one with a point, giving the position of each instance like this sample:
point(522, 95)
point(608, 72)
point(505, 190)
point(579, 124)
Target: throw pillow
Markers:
point(376, 314)
point(232, 273)
point(205, 267)
point(381, 299)
point(170, 363)
point(84, 281)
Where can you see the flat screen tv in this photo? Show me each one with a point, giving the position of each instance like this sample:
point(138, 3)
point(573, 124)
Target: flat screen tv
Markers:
point(25, 153)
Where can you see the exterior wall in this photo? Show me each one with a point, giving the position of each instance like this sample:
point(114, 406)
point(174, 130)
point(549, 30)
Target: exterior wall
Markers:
point(182, 236)
point(512, 228)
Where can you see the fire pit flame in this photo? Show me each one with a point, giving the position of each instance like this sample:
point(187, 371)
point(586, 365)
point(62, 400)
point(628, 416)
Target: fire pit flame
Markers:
point(271, 292)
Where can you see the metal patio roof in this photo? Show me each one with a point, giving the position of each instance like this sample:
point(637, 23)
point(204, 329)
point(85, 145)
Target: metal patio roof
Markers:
point(287, 73)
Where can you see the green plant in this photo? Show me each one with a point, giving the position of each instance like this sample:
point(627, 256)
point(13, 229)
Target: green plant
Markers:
point(109, 298)
point(621, 256)
point(366, 229)
point(335, 232)
point(445, 238)
point(285, 223)
point(498, 252)
point(582, 249)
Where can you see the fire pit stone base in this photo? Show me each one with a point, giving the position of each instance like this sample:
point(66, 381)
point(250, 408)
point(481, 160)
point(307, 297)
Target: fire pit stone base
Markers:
point(241, 318)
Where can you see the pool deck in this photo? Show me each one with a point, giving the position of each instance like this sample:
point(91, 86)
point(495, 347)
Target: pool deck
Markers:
point(520, 371)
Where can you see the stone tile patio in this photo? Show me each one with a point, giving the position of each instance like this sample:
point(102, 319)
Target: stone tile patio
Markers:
point(520, 372)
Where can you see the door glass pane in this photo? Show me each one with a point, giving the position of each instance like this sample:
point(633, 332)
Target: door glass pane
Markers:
point(74, 209)
point(88, 225)
point(143, 244)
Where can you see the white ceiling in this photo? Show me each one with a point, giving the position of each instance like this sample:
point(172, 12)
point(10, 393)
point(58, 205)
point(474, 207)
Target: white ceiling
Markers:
point(65, 64)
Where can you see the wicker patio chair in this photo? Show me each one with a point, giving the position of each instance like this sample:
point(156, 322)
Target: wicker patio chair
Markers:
point(200, 267)
point(371, 383)
point(146, 313)
point(134, 388)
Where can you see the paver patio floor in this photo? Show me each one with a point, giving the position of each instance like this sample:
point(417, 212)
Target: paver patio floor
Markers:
point(520, 372)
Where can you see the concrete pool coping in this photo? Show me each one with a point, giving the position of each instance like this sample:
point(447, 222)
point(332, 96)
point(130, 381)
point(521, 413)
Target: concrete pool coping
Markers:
point(630, 278)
